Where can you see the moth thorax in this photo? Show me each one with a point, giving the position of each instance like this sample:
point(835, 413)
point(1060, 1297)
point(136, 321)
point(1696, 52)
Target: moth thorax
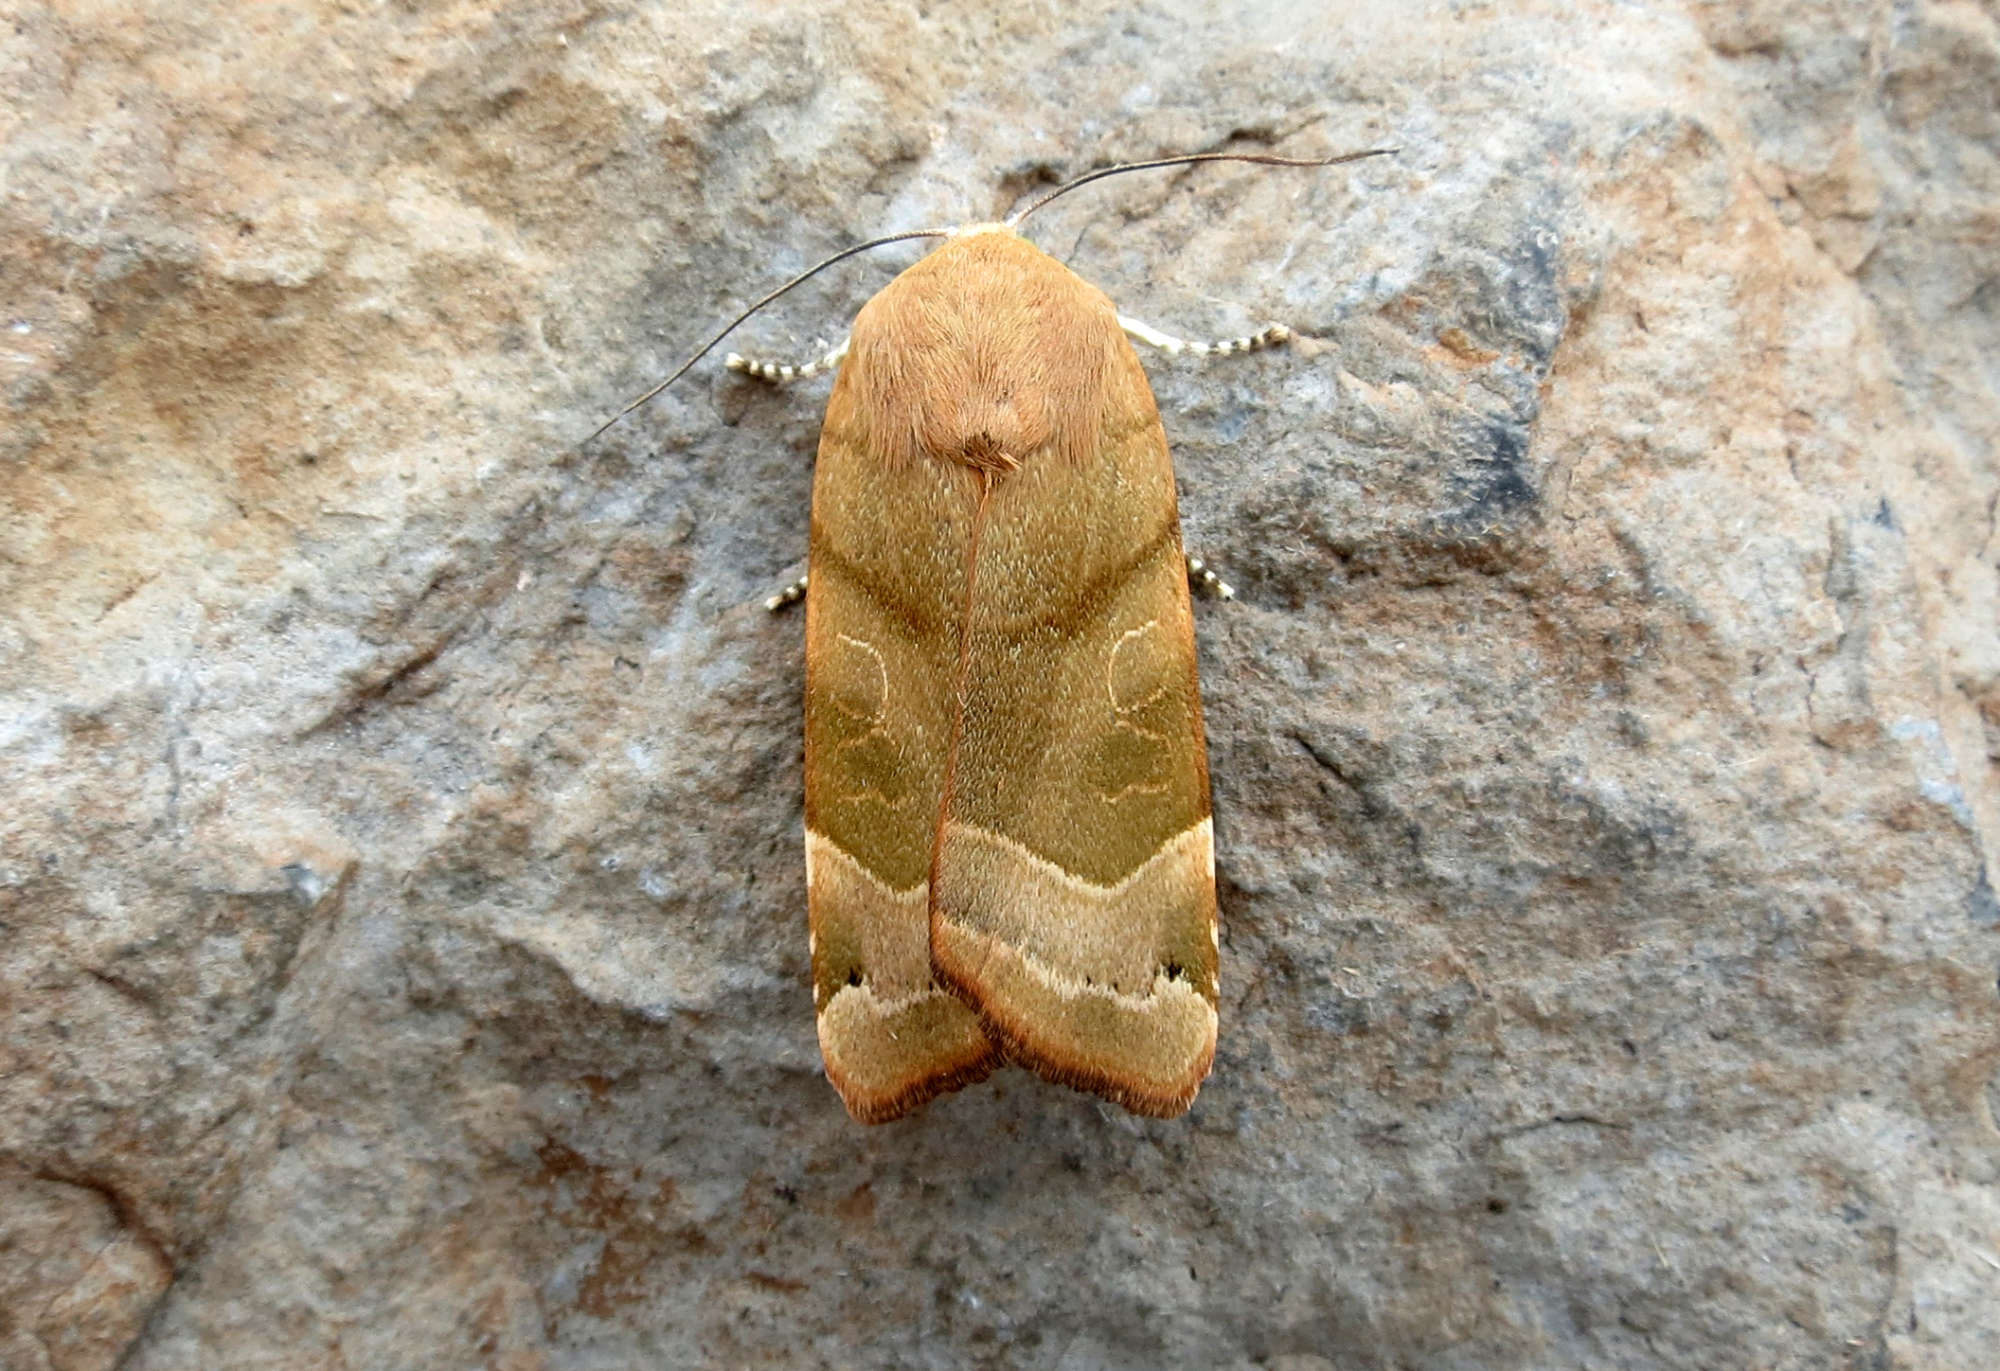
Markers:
point(991, 427)
point(984, 452)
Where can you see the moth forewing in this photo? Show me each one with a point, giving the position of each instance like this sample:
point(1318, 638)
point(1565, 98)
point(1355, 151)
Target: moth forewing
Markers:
point(1008, 837)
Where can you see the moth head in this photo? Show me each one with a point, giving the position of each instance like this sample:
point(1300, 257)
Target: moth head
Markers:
point(986, 354)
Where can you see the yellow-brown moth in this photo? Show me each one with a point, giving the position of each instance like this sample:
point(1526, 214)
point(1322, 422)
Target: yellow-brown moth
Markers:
point(1009, 849)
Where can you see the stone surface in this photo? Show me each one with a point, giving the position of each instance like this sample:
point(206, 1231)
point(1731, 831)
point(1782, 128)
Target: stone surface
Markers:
point(402, 948)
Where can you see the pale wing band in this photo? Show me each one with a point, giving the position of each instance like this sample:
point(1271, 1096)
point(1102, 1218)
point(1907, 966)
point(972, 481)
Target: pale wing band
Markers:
point(1076, 933)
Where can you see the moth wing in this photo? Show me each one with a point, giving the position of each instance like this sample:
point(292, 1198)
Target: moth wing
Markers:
point(883, 616)
point(1073, 888)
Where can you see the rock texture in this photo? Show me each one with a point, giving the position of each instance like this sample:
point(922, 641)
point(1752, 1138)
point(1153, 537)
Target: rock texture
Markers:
point(402, 948)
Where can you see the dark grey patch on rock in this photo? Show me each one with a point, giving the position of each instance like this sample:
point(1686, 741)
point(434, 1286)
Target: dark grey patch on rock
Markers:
point(1980, 904)
point(1493, 476)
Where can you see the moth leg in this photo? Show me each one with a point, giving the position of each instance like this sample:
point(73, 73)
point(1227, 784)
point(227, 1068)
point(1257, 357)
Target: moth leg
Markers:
point(790, 595)
point(785, 371)
point(1173, 347)
point(1199, 573)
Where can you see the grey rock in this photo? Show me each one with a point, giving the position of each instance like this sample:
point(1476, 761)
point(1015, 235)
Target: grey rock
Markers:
point(402, 952)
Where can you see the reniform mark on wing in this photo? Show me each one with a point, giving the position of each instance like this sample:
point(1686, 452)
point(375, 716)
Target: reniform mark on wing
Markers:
point(1130, 757)
point(867, 759)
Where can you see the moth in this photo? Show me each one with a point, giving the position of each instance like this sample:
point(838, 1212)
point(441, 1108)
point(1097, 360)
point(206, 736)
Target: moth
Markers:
point(1009, 847)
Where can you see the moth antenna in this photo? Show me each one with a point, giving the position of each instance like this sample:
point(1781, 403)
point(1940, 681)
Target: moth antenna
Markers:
point(730, 328)
point(1262, 158)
